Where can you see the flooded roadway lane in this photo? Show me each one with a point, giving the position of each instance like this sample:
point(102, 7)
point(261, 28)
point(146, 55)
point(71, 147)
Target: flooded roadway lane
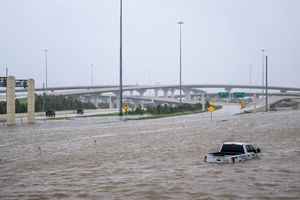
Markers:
point(105, 158)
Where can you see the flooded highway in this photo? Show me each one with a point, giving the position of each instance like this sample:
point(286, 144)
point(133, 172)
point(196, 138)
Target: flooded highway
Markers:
point(109, 158)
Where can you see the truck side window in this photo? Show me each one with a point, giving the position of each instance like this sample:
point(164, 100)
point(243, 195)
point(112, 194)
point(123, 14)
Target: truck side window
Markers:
point(247, 148)
point(250, 148)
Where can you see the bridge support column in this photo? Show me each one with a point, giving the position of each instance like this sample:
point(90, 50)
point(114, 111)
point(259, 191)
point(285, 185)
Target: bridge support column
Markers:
point(173, 93)
point(97, 100)
point(30, 102)
point(187, 94)
point(93, 99)
point(156, 92)
point(117, 94)
point(131, 92)
point(229, 94)
point(165, 91)
point(141, 92)
point(10, 101)
point(111, 103)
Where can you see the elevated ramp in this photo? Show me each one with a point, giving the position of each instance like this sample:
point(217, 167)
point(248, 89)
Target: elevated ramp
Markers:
point(259, 105)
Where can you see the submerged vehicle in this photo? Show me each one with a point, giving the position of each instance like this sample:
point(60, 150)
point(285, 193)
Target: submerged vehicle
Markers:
point(231, 152)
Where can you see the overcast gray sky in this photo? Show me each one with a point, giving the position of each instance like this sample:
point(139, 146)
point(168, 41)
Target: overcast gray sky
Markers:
point(221, 39)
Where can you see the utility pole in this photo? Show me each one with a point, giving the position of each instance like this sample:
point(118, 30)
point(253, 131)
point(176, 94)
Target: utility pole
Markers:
point(266, 88)
point(180, 61)
point(121, 59)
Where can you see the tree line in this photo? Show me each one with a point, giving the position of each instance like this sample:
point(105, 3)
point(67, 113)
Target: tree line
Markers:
point(167, 109)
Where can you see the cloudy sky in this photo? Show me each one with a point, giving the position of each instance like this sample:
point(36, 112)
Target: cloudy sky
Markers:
point(222, 41)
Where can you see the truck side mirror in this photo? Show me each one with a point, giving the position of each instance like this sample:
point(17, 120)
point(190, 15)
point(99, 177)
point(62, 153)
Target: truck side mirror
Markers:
point(258, 150)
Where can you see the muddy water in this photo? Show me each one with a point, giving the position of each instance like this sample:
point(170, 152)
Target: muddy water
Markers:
point(107, 158)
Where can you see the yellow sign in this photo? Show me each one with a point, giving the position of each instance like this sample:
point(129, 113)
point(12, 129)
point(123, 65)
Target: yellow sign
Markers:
point(211, 109)
point(126, 108)
point(242, 104)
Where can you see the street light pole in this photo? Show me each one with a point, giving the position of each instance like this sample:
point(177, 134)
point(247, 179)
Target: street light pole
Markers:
point(250, 74)
point(121, 59)
point(45, 85)
point(266, 88)
point(180, 61)
point(92, 74)
point(263, 69)
point(46, 68)
point(6, 71)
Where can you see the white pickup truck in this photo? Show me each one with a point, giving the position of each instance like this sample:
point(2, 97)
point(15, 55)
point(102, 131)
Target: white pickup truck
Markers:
point(232, 152)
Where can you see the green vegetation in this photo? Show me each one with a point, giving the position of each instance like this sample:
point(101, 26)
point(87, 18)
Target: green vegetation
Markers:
point(50, 102)
point(166, 109)
point(20, 107)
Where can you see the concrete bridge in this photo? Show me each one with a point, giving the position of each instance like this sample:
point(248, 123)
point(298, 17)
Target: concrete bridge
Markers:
point(110, 93)
point(143, 88)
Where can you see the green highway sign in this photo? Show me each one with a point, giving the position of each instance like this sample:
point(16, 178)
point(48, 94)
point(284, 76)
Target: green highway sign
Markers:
point(223, 94)
point(239, 94)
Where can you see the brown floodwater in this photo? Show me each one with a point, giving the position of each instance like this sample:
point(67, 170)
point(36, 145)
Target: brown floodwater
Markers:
point(109, 158)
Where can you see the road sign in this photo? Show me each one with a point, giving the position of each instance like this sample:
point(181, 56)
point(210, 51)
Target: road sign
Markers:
point(21, 83)
point(223, 94)
point(211, 109)
point(243, 104)
point(3, 81)
point(126, 108)
point(239, 94)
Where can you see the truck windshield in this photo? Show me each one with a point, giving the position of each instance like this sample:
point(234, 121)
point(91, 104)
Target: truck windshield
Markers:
point(234, 148)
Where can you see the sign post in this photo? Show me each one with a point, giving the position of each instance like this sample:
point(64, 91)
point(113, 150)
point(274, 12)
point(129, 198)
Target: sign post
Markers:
point(211, 109)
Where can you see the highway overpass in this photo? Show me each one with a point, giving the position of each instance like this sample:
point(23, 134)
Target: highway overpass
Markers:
point(115, 88)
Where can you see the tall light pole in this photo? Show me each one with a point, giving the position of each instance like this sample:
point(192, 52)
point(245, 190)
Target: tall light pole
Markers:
point(263, 68)
point(92, 74)
point(6, 71)
point(45, 85)
point(180, 23)
point(267, 98)
point(121, 59)
point(250, 74)
point(46, 68)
